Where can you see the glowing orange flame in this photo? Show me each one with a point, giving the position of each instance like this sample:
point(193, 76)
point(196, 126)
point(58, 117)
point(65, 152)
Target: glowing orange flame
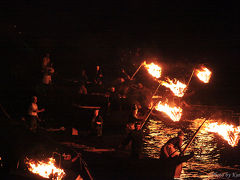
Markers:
point(228, 132)
point(45, 169)
point(176, 87)
point(204, 74)
point(175, 113)
point(153, 69)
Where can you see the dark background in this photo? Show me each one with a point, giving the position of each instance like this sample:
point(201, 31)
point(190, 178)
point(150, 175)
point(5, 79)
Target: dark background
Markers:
point(82, 34)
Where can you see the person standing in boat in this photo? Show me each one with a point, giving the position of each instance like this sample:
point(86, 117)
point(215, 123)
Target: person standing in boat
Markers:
point(83, 82)
point(47, 70)
point(98, 76)
point(33, 114)
point(134, 114)
point(97, 123)
point(169, 149)
point(172, 158)
point(135, 137)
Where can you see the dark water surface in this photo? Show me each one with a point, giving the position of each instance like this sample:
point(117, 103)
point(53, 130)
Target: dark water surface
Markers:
point(206, 164)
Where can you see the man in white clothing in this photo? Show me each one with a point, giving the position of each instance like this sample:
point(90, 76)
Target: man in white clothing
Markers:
point(33, 113)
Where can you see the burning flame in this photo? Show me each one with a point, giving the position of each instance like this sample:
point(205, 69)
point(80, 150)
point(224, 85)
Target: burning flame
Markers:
point(175, 113)
point(45, 169)
point(176, 87)
point(204, 74)
point(153, 69)
point(228, 132)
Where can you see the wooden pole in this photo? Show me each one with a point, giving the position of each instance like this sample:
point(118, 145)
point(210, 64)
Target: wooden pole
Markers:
point(152, 106)
point(156, 89)
point(189, 80)
point(136, 72)
point(147, 116)
point(190, 77)
point(194, 135)
point(189, 141)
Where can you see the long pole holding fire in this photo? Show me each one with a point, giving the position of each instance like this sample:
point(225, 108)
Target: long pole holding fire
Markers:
point(136, 71)
point(194, 135)
point(151, 107)
point(190, 77)
point(188, 144)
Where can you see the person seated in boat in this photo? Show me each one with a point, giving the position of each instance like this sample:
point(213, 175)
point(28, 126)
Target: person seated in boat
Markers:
point(169, 149)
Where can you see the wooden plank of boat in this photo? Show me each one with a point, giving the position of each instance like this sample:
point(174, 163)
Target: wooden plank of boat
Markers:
point(88, 148)
point(86, 107)
point(99, 150)
point(75, 145)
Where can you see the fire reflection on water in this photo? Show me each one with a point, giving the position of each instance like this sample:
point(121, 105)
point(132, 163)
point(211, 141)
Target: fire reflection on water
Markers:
point(207, 152)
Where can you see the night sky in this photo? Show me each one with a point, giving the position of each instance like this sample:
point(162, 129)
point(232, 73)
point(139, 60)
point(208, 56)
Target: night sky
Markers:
point(92, 32)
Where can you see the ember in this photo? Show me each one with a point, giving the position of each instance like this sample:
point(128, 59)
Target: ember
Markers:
point(204, 74)
point(228, 132)
point(153, 69)
point(45, 169)
point(176, 87)
point(175, 113)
